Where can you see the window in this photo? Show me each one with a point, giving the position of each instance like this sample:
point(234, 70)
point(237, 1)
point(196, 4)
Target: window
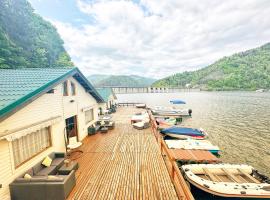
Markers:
point(65, 88)
point(73, 89)
point(89, 116)
point(50, 91)
point(30, 145)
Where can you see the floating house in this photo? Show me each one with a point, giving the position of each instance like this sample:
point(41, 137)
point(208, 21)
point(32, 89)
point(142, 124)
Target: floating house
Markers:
point(38, 109)
point(109, 97)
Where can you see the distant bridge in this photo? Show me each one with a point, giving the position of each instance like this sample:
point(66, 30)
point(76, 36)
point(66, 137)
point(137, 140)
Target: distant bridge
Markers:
point(130, 90)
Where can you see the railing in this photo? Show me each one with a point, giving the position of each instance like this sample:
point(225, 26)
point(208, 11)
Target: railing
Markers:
point(181, 187)
point(127, 104)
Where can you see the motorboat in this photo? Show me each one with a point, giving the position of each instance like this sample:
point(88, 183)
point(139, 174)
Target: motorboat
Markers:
point(170, 111)
point(228, 180)
point(140, 105)
point(184, 133)
point(193, 144)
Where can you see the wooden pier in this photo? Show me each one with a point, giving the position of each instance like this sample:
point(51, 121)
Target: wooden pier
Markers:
point(126, 163)
point(131, 90)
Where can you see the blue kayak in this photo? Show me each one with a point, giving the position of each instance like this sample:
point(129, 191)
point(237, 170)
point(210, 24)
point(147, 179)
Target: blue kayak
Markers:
point(183, 131)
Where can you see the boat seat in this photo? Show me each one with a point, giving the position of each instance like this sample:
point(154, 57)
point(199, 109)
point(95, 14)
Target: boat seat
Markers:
point(210, 175)
point(251, 178)
point(231, 176)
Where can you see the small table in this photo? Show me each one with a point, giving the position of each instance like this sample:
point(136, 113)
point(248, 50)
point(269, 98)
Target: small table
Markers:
point(66, 169)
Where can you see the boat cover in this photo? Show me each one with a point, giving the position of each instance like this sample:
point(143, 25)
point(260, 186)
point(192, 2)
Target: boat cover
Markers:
point(177, 101)
point(183, 131)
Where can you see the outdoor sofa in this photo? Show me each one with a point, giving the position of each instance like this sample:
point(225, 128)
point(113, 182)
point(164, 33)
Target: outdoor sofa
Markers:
point(45, 182)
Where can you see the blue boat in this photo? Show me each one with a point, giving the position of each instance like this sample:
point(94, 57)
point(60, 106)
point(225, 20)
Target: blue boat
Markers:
point(184, 133)
point(177, 101)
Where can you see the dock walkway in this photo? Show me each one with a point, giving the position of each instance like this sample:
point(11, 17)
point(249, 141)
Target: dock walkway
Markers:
point(124, 163)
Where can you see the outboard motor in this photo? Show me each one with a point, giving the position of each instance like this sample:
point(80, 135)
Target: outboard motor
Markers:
point(189, 112)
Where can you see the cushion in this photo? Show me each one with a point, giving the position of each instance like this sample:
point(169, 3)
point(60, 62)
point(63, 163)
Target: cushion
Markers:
point(27, 176)
point(39, 179)
point(22, 180)
point(47, 161)
point(55, 179)
point(46, 171)
point(51, 177)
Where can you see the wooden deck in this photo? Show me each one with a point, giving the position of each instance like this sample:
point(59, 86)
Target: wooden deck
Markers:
point(124, 163)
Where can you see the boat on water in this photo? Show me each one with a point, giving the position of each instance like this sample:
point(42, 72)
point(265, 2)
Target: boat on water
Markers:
point(193, 144)
point(167, 121)
point(140, 105)
point(170, 111)
point(184, 133)
point(228, 180)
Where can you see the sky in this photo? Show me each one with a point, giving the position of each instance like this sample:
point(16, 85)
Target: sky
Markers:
point(155, 38)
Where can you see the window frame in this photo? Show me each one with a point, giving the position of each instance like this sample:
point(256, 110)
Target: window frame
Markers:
point(36, 154)
point(93, 116)
point(73, 88)
point(65, 88)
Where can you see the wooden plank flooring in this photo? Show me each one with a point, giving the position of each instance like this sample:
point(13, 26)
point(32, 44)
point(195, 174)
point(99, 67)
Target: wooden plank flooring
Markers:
point(124, 163)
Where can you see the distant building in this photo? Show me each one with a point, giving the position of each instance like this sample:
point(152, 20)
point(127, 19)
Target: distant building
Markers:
point(38, 108)
point(109, 98)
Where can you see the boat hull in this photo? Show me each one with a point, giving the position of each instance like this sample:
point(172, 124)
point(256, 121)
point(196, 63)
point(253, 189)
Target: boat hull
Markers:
point(222, 180)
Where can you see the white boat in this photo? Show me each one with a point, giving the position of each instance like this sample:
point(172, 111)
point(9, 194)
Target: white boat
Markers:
point(140, 105)
point(193, 144)
point(228, 180)
point(161, 110)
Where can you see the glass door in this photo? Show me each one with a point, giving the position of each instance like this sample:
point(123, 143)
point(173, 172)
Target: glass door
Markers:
point(71, 127)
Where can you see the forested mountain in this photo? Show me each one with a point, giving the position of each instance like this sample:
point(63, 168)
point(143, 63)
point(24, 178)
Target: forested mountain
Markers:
point(26, 40)
point(120, 80)
point(249, 70)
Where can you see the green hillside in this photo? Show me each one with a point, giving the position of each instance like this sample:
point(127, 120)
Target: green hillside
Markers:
point(249, 70)
point(120, 80)
point(26, 40)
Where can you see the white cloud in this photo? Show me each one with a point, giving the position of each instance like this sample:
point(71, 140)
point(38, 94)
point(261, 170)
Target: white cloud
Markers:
point(162, 37)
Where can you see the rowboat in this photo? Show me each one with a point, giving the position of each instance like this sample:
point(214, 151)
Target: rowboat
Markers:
point(184, 133)
point(228, 180)
point(193, 144)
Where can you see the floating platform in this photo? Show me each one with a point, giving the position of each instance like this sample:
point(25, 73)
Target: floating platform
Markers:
point(195, 156)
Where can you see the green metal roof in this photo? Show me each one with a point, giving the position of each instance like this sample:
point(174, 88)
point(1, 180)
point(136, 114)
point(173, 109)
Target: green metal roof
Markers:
point(20, 86)
point(105, 93)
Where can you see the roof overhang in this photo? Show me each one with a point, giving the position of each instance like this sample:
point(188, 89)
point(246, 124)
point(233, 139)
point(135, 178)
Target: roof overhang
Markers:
point(27, 99)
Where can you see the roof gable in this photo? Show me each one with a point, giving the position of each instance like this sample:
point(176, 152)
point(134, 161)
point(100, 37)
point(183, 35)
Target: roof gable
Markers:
point(21, 86)
point(105, 93)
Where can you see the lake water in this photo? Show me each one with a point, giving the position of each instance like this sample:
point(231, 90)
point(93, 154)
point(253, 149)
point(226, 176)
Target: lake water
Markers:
point(238, 122)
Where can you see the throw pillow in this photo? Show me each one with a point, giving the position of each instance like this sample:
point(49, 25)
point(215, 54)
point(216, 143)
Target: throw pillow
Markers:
point(27, 176)
point(47, 161)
